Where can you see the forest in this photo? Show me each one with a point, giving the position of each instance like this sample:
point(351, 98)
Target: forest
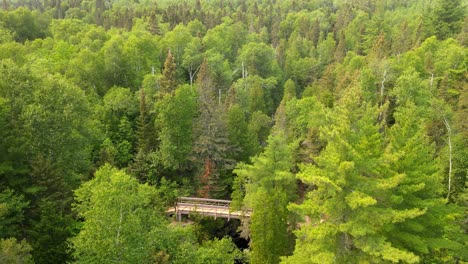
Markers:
point(341, 125)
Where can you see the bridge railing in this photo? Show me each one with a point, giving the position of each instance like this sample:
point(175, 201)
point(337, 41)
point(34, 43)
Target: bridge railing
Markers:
point(207, 207)
point(204, 201)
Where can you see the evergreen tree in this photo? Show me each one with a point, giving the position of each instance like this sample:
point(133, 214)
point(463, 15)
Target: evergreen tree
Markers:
point(288, 95)
point(269, 186)
point(49, 217)
point(446, 19)
point(377, 199)
point(239, 133)
point(168, 79)
point(144, 131)
point(212, 148)
point(153, 24)
point(421, 187)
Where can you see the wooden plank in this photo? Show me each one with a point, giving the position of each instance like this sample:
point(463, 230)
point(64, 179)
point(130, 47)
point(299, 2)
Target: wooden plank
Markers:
point(207, 207)
point(204, 200)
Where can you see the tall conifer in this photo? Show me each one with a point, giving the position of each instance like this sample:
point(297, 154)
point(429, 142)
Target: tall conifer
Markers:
point(269, 187)
point(168, 80)
point(377, 197)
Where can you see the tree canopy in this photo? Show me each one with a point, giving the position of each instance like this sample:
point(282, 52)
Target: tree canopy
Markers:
point(340, 126)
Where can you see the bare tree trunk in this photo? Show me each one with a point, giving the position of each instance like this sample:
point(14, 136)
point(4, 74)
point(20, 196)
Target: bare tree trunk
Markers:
point(193, 73)
point(449, 132)
point(219, 96)
point(382, 93)
point(244, 71)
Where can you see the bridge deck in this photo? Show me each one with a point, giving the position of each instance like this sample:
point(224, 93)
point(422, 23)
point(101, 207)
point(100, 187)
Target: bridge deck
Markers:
point(207, 207)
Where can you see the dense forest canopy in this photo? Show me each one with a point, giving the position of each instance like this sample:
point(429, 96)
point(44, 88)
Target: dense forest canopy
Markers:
point(340, 123)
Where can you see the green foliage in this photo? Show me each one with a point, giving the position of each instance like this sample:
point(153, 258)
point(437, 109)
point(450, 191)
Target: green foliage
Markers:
point(12, 251)
point(239, 133)
point(258, 59)
point(192, 58)
point(363, 174)
point(145, 130)
point(49, 234)
point(168, 79)
point(120, 218)
point(176, 135)
point(212, 148)
point(269, 186)
point(26, 24)
point(257, 94)
point(225, 38)
point(289, 90)
point(57, 122)
point(115, 66)
point(379, 116)
point(12, 207)
point(218, 251)
point(446, 19)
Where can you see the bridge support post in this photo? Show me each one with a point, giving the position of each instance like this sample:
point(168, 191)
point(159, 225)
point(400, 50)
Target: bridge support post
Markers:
point(178, 217)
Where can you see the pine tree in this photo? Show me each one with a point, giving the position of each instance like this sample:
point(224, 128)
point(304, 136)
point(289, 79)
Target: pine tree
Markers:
point(421, 187)
point(49, 215)
point(280, 115)
point(269, 186)
point(212, 148)
point(146, 142)
point(446, 19)
point(377, 198)
point(340, 52)
point(338, 198)
point(168, 80)
point(239, 133)
point(144, 131)
point(153, 24)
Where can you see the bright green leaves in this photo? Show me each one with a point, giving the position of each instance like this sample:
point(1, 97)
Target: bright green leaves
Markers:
point(269, 186)
point(222, 251)
point(410, 87)
point(378, 248)
point(368, 185)
point(257, 94)
point(49, 116)
point(176, 135)
point(123, 222)
point(358, 199)
point(119, 216)
point(225, 38)
point(26, 24)
point(258, 59)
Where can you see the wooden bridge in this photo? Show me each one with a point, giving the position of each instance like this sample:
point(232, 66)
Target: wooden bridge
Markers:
point(207, 207)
